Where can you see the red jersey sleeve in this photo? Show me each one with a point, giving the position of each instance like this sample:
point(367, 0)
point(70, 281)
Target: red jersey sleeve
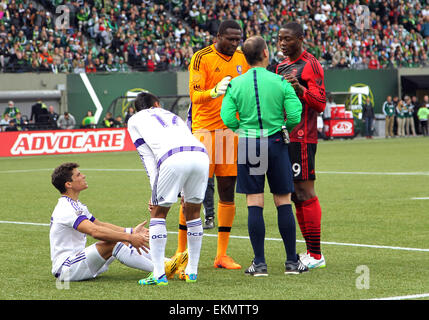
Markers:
point(314, 96)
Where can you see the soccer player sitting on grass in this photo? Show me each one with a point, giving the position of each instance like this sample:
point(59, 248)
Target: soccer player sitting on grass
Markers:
point(71, 222)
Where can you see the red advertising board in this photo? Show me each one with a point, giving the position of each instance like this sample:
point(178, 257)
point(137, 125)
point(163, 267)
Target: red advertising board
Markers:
point(25, 143)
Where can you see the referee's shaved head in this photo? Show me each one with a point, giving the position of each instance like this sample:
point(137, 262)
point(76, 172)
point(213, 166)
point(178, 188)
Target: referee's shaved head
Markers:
point(253, 49)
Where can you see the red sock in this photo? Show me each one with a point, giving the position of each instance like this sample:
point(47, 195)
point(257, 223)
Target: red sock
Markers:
point(312, 214)
point(300, 218)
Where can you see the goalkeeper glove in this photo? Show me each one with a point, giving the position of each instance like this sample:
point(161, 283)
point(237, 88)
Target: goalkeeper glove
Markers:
point(220, 88)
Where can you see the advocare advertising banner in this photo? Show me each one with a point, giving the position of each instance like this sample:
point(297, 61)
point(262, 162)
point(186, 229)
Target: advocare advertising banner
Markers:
point(26, 143)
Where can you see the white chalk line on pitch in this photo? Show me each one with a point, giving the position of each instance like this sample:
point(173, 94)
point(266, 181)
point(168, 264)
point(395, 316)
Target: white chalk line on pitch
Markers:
point(269, 239)
point(411, 296)
point(417, 173)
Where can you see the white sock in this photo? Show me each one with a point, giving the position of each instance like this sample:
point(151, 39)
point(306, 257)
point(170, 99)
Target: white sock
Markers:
point(131, 258)
point(157, 241)
point(195, 239)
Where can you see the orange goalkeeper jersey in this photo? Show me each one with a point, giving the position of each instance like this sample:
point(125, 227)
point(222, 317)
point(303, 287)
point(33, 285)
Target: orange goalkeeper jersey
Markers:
point(208, 66)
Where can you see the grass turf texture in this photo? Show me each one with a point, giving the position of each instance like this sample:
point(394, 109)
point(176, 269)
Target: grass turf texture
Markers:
point(373, 209)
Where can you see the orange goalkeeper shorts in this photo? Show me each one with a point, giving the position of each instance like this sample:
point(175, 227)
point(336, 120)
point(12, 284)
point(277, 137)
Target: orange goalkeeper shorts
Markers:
point(221, 145)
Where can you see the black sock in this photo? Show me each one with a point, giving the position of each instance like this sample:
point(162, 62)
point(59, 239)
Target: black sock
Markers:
point(286, 223)
point(256, 227)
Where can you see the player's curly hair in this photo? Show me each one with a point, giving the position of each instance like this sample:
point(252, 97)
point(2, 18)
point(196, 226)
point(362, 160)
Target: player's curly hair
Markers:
point(63, 174)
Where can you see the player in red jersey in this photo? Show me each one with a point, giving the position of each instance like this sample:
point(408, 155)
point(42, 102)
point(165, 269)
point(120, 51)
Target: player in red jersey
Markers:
point(305, 74)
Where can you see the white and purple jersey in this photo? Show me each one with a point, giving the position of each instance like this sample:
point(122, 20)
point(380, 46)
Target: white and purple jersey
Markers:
point(158, 134)
point(65, 239)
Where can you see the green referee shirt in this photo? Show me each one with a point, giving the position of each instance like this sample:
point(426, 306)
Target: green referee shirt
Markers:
point(261, 99)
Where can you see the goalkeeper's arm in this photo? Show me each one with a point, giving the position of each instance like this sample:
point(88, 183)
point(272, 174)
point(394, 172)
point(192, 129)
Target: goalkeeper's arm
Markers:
point(201, 96)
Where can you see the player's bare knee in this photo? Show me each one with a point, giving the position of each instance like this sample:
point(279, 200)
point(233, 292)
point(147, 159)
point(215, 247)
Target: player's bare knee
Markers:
point(105, 248)
point(282, 199)
point(226, 188)
point(301, 195)
point(192, 210)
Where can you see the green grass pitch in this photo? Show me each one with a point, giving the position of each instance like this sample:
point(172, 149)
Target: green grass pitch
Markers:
point(372, 226)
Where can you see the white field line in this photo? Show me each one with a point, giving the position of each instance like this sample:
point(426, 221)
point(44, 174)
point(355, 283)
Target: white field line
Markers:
point(417, 173)
point(269, 239)
point(88, 169)
point(413, 296)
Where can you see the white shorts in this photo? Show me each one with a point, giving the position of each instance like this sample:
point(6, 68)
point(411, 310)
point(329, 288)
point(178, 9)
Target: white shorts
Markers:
point(84, 265)
point(185, 172)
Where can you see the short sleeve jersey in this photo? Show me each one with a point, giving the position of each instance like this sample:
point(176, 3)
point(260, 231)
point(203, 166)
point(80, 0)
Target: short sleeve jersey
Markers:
point(65, 239)
point(158, 133)
point(208, 66)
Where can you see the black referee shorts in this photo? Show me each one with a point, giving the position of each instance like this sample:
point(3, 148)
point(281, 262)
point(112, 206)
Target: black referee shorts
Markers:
point(277, 167)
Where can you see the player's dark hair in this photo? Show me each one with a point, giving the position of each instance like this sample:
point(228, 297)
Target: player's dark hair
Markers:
point(63, 174)
point(228, 24)
point(295, 27)
point(253, 48)
point(145, 100)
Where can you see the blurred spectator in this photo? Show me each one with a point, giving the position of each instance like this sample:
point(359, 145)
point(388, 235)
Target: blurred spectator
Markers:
point(89, 120)
point(400, 118)
point(373, 63)
point(4, 121)
point(388, 109)
point(90, 68)
point(343, 64)
point(39, 112)
point(409, 119)
point(129, 114)
point(20, 122)
point(66, 121)
point(118, 122)
point(122, 66)
point(53, 117)
point(109, 121)
point(11, 110)
point(416, 103)
point(11, 126)
point(423, 116)
point(397, 34)
point(368, 117)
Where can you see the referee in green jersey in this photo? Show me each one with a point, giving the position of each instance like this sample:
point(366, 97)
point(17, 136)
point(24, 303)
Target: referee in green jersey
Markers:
point(262, 101)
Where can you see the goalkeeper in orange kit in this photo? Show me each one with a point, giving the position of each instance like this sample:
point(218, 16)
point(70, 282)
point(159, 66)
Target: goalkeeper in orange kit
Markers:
point(210, 71)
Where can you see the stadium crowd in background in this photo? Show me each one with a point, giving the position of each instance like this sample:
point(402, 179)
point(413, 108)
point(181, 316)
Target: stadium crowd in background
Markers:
point(160, 35)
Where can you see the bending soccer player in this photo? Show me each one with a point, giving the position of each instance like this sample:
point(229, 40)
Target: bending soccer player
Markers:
point(305, 74)
point(210, 71)
point(175, 162)
point(71, 221)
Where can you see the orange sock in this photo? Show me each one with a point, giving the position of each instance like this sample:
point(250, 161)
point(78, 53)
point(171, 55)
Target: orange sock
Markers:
point(225, 217)
point(182, 238)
